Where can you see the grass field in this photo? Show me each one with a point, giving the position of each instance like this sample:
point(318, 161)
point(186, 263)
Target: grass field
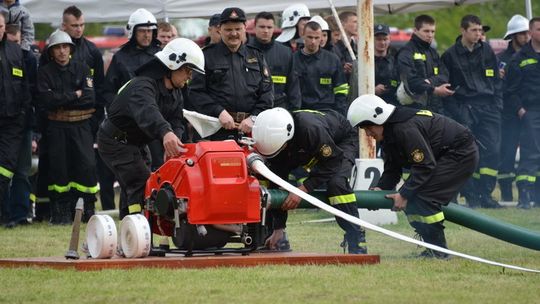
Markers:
point(399, 278)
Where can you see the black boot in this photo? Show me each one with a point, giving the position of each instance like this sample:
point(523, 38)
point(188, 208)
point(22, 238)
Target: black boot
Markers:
point(355, 242)
point(433, 234)
point(472, 200)
point(506, 190)
point(525, 198)
point(486, 201)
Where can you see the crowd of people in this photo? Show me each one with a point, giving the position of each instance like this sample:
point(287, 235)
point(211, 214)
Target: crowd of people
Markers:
point(92, 127)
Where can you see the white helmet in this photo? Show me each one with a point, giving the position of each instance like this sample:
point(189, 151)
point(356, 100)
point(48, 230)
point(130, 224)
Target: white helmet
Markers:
point(290, 17)
point(517, 24)
point(182, 51)
point(369, 109)
point(60, 37)
point(271, 130)
point(321, 22)
point(141, 17)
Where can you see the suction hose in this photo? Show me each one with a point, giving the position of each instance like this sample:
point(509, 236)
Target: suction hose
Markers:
point(454, 213)
point(255, 162)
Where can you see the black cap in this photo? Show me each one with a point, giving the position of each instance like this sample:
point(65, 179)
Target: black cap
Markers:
point(214, 20)
point(381, 29)
point(232, 14)
point(486, 28)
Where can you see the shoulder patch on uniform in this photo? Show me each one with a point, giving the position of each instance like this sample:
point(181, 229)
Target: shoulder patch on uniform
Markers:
point(89, 82)
point(417, 155)
point(252, 60)
point(326, 151)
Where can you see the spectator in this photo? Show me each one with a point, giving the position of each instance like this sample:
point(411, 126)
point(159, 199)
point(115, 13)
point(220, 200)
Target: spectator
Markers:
point(476, 104)
point(65, 88)
point(213, 30)
point(18, 14)
point(422, 74)
point(518, 34)
point(294, 18)
point(237, 84)
point(14, 100)
point(523, 90)
point(279, 59)
point(322, 82)
point(349, 20)
point(18, 205)
point(165, 33)
point(386, 78)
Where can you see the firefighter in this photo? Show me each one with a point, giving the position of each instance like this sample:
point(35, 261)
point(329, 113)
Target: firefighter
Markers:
point(14, 101)
point(523, 90)
point(279, 60)
point(17, 202)
point(422, 74)
point(237, 84)
point(386, 78)
point(148, 107)
point(326, 144)
point(322, 81)
point(141, 47)
point(294, 18)
point(440, 153)
point(518, 34)
point(65, 89)
point(476, 104)
point(213, 30)
point(86, 51)
point(349, 20)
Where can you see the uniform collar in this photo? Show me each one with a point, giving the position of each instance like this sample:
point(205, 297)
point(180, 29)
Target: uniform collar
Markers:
point(420, 42)
point(316, 55)
point(461, 49)
point(225, 50)
point(528, 49)
point(262, 46)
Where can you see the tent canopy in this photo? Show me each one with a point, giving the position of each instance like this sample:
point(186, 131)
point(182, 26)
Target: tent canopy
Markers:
point(50, 11)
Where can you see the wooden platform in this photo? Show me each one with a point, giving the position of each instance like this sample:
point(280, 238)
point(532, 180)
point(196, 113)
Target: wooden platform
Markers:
point(179, 261)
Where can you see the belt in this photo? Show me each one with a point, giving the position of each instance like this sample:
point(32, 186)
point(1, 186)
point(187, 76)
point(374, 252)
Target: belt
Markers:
point(239, 116)
point(110, 129)
point(70, 115)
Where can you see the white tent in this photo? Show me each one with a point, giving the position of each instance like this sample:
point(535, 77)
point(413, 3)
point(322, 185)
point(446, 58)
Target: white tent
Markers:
point(50, 11)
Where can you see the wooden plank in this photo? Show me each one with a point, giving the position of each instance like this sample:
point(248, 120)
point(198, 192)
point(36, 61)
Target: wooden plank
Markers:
point(179, 261)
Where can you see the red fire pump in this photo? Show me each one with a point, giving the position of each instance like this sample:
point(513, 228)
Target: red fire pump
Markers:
point(206, 198)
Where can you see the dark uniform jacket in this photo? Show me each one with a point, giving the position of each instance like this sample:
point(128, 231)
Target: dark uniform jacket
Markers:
point(322, 81)
point(386, 74)
point(57, 85)
point(86, 51)
point(504, 59)
point(416, 140)
point(14, 92)
point(236, 82)
point(123, 65)
point(286, 86)
point(418, 61)
point(316, 142)
point(523, 80)
point(341, 51)
point(146, 110)
point(476, 73)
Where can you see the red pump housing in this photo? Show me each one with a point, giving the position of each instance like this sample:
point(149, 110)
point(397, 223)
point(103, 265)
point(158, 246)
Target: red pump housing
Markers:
point(214, 180)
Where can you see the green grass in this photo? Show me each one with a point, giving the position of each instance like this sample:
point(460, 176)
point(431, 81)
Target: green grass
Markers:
point(399, 278)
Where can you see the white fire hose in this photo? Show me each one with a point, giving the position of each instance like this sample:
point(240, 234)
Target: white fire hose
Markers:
point(256, 163)
point(102, 237)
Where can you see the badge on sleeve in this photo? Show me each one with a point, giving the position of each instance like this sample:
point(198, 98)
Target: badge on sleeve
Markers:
point(326, 151)
point(417, 155)
point(89, 82)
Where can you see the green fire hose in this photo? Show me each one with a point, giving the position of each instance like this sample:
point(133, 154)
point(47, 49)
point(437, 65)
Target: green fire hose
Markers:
point(457, 214)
